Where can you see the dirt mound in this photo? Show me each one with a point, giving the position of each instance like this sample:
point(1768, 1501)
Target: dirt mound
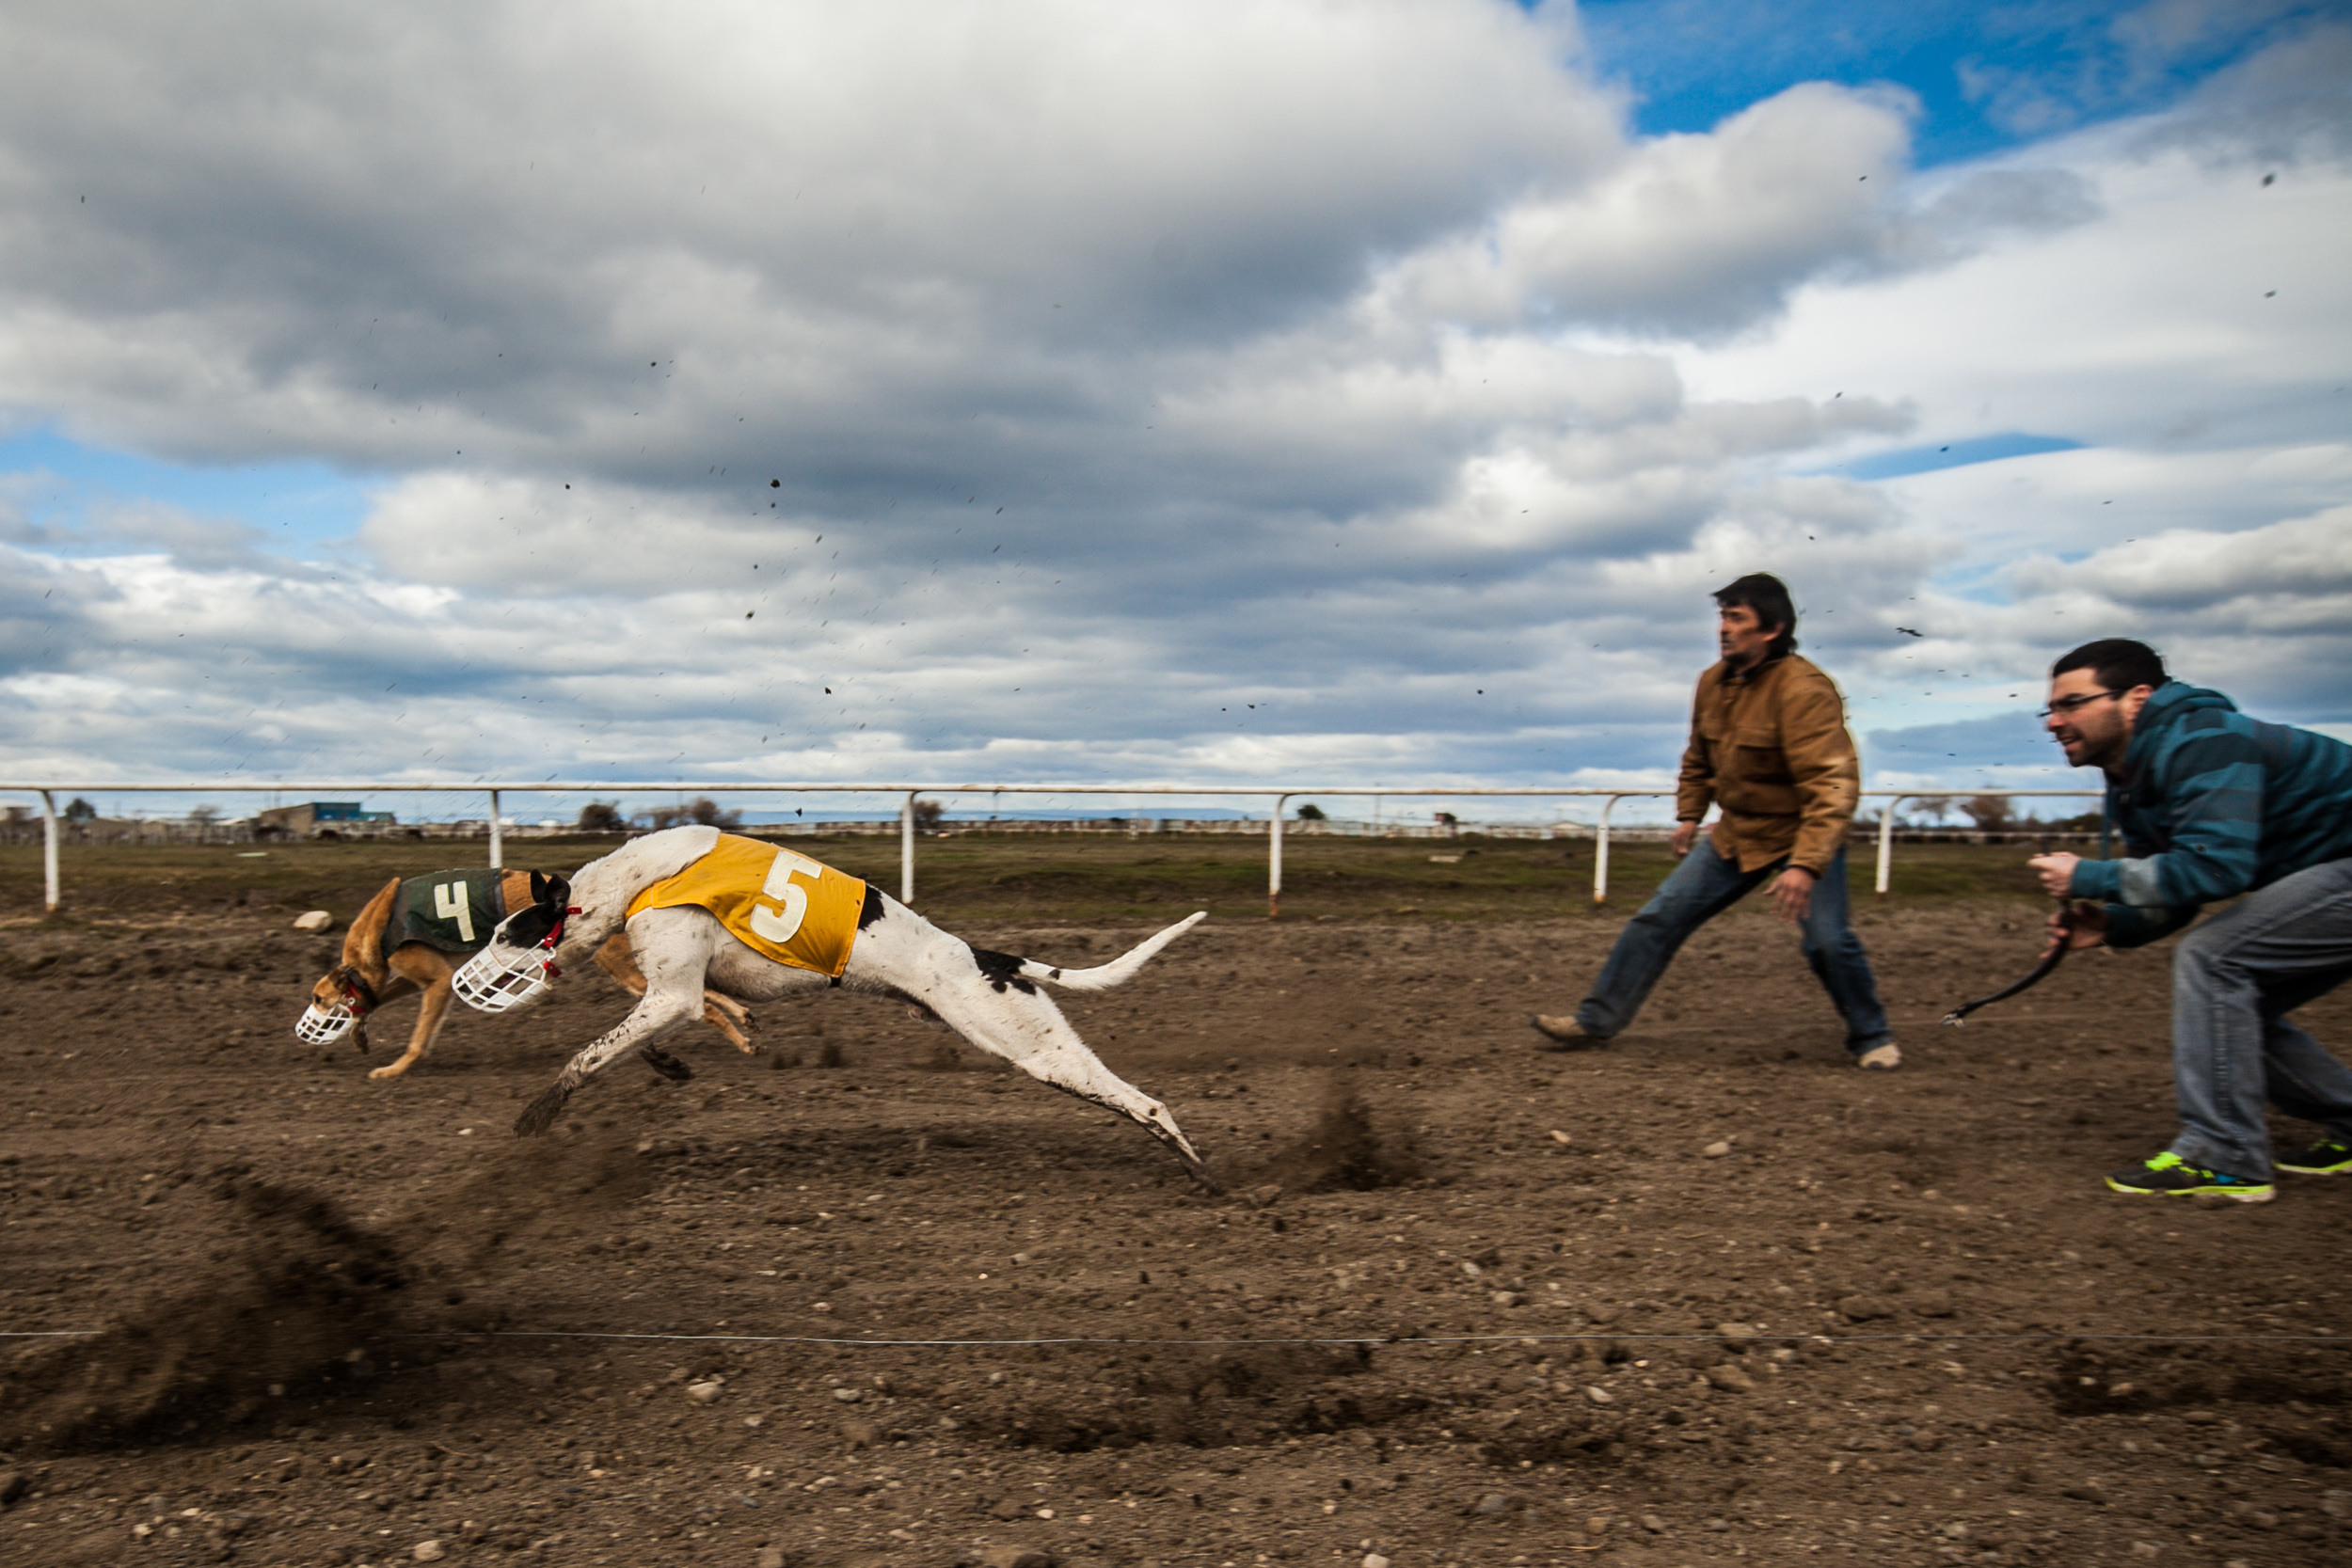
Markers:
point(296, 1306)
point(1345, 1151)
point(308, 1290)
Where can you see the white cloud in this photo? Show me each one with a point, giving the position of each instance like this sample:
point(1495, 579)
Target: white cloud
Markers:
point(1118, 370)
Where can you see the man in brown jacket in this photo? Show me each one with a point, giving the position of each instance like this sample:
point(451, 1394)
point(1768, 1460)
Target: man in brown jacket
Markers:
point(1769, 746)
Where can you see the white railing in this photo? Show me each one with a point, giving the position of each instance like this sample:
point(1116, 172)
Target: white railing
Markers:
point(911, 793)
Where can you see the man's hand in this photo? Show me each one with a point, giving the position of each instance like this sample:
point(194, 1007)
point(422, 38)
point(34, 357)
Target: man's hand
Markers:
point(1792, 895)
point(2056, 871)
point(1684, 836)
point(2089, 927)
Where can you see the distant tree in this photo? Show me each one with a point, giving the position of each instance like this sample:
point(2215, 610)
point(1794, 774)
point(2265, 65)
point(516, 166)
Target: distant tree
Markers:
point(79, 810)
point(601, 816)
point(703, 811)
point(663, 816)
point(204, 815)
point(1935, 808)
point(1991, 813)
point(1311, 812)
point(926, 816)
point(1449, 822)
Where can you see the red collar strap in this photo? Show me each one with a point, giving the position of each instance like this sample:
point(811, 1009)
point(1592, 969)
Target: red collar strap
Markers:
point(549, 941)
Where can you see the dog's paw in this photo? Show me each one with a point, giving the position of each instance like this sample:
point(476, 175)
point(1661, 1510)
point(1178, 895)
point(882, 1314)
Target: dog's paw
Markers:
point(541, 1113)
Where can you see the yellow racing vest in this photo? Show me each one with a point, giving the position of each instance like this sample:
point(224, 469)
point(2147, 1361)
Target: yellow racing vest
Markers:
point(778, 903)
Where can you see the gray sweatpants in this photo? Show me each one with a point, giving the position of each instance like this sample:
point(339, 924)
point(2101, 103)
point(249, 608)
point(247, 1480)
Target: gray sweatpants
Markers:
point(2235, 980)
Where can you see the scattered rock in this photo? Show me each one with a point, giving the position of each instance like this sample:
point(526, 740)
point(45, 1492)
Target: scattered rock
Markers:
point(1600, 1396)
point(1931, 1303)
point(1736, 1331)
point(2145, 1549)
point(11, 1487)
point(1374, 1560)
point(770, 1557)
point(1507, 1298)
point(1857, 1308)
point(1498, 1502)
point(1265, 1196)
point(1005, 1508)
point(849, 1396)
point(1653, 1524)
point(703, 1393)
point(1717, 1150)
point(860, 1432)
point(427, 1551)
point(2336, 1503)
point(1730, 1379)
point(1559, 1137)
point(315, 920)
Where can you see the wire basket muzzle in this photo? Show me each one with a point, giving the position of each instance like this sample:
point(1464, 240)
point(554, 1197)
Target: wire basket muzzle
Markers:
point(325, 1025)
point(496, 982)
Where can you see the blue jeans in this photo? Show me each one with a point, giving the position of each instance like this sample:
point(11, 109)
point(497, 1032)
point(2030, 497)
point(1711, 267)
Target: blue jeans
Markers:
point(1704, 886)
point(2235, 980)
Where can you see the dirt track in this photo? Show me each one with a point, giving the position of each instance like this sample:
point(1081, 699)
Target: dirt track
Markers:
point(315, 1285)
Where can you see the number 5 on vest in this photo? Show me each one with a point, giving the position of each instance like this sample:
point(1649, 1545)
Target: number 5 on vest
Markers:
point(781, 925)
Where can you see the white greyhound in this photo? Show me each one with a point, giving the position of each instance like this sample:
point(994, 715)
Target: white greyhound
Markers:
point(991, 998)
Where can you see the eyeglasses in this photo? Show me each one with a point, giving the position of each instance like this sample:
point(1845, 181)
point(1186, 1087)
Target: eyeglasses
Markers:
point(2066, 707)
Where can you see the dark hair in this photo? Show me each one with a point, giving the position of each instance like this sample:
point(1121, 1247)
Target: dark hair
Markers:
point(2119, 663)
point(1769, 598)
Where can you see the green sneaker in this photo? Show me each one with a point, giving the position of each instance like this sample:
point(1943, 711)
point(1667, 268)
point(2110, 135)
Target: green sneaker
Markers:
point(2324, 1158)
point(2174, 1177)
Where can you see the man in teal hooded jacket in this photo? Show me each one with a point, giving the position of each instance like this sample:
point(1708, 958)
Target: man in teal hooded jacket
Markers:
point(2212, 805)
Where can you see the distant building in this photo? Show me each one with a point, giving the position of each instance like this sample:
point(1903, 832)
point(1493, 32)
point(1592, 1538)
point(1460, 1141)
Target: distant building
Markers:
point(320, 818)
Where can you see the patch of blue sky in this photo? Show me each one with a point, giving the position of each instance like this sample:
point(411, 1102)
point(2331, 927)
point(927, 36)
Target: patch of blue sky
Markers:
point(292, 507)
point(1988, 76)
point(1951, 454)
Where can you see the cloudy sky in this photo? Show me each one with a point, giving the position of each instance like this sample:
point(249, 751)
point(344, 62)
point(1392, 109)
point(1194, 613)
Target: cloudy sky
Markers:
point(1277, 392)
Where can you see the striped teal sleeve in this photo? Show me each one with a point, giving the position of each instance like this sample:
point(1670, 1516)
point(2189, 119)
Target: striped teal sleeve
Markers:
point(2213, 817)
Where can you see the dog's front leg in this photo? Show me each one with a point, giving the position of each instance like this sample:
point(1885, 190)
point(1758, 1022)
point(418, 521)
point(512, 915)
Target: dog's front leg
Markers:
point(673, 947)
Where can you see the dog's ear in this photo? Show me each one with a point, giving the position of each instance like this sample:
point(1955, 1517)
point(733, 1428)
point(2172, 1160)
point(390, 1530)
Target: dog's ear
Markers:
point(554, 891)
point(538, 888)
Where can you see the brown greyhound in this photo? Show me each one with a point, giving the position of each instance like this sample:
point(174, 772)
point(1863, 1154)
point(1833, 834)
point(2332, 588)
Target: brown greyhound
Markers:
point(368, 977)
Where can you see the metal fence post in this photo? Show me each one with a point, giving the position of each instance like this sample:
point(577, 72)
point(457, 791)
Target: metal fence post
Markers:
point(48, 849)
point(1274, 861)
point(906, 852)
point(1886, 840)
point(1600, 852)
point(498, 841)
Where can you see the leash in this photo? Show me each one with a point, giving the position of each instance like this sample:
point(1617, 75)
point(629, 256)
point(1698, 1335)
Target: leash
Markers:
point(2042, 971)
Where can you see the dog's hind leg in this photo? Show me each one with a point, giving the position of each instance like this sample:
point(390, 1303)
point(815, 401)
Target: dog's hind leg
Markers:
point(1028, 1031)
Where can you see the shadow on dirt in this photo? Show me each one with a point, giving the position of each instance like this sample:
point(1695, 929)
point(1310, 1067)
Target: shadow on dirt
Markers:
point(292, 1309)
point(1205, 1399)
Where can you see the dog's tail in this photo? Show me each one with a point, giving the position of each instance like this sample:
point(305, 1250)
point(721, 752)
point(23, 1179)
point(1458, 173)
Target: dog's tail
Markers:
point(1117, 972)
